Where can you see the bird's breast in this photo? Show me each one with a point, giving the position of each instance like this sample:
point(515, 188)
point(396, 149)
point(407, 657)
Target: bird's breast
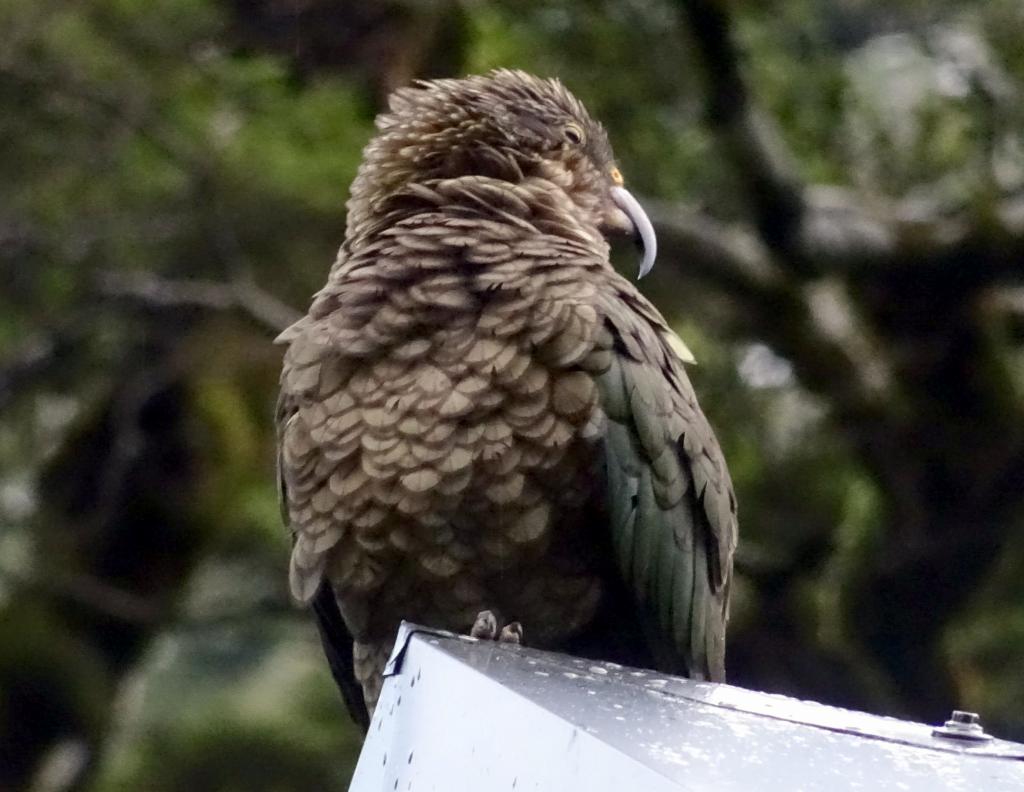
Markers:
point(453, 457)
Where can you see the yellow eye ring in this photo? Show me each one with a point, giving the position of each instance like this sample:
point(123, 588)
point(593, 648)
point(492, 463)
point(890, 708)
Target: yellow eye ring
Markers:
point(616, 175)
point(574, 134)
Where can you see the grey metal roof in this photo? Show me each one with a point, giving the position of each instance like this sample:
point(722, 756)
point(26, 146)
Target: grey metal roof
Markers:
point(459, 714)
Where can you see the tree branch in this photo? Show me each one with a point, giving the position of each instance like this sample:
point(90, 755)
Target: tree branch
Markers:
point(809, 325)
point(751, 139)
point(1009, 302)
point(156, 294)
point(727, 257)
point(41, 355)
point(89, 592)
point(816, 229)
point(849, 234)
point(37, 357)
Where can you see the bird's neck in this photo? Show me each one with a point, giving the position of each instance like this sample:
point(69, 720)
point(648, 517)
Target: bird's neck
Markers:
point(446, 250)
point(535, 208)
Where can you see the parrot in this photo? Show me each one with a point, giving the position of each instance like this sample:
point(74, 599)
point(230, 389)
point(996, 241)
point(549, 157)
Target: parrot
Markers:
point(482, 426)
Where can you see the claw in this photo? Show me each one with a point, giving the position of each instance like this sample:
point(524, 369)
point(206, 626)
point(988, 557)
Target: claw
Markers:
point(485, 627)
point(512, 633)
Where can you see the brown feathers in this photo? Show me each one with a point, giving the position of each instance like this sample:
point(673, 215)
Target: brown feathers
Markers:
point(450, 404)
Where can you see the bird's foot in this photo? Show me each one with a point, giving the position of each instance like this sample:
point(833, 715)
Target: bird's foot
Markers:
point(511, 633)
point(486, 628)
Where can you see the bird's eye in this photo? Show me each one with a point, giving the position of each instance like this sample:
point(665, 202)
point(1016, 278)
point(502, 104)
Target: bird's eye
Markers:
point(573, 133)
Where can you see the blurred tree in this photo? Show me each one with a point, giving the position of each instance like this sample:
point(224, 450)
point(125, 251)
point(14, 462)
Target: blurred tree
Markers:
point(384, 45)
point(840, 196)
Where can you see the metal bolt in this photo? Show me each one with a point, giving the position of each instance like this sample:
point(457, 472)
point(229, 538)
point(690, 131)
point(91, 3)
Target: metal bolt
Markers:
point(962, 726)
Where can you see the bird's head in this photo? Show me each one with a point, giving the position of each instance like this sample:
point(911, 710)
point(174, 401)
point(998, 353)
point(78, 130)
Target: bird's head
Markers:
point(507, 125)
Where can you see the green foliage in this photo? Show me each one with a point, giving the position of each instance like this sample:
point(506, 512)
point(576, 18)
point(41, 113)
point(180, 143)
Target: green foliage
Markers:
point(604, 51)
point(808, 101)
point(242, 708)
point(137, 141)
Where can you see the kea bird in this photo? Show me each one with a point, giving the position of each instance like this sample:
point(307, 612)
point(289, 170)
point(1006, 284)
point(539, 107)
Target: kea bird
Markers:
point(479, 416)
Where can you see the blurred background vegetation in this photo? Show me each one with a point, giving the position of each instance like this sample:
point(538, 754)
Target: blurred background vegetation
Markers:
point(839, 190)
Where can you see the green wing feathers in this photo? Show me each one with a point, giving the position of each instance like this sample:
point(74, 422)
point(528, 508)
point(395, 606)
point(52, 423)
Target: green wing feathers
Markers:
point(670, 503)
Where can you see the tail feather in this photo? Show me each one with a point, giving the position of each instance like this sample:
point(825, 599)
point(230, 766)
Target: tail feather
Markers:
point(337, 642)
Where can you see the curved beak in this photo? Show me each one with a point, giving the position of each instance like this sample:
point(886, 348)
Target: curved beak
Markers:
point(641, 226)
